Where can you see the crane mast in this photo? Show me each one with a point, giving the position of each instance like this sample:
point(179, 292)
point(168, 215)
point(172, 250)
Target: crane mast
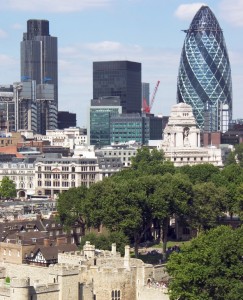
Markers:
point(147, 108)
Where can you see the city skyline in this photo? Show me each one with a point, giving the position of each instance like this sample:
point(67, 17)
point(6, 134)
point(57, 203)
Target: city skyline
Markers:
point(134, 30)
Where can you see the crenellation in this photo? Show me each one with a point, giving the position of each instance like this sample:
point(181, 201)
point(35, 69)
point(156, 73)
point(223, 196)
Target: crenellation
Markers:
point(19, 282)
point(98, 277)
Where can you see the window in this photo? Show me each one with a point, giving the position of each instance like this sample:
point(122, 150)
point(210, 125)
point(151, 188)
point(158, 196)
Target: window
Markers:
point(115, 295)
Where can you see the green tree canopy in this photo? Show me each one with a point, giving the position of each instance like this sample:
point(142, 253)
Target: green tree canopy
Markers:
point(199, 173)
point(209, 268)
point(70, 206)
point(104, 241)
point(7, 188)
point(208, 205)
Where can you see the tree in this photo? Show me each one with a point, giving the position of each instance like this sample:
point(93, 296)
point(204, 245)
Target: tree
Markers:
point(239, 153)
point(7, 188)
point(70, 207)
point(123, 205)
point(104, 242)
point(151, 162)
point(172, 197)
point(199, 173)
point(209, 268)
point(208, 205)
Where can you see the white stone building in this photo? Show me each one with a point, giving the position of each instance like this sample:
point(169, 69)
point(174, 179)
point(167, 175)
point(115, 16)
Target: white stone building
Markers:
point(123, 151)
point(23, 175)
point(68, 137)
point(181, 143)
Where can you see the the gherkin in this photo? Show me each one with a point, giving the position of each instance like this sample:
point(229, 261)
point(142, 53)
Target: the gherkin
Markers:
point(204, 79)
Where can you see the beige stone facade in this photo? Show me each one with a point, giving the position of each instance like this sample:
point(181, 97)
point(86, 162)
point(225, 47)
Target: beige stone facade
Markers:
point(85, 275)
point(181, 143)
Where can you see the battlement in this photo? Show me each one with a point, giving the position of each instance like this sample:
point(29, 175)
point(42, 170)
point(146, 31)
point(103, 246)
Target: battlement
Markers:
point(63, 270)
point(19, 282)
point(46, 288)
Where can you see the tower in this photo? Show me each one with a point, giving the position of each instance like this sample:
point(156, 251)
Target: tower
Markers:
point(119, 78)
point(39, 63)
point(204, 79)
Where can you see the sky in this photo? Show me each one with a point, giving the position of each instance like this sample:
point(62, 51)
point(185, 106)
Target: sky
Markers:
point(145, 31)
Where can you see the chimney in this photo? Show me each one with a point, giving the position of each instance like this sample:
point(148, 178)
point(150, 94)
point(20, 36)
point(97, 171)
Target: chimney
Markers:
point(61, 241)
point(113, 249)
point(46, 242)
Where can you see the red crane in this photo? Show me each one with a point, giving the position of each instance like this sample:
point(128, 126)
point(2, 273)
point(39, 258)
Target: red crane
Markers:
point(147, 108)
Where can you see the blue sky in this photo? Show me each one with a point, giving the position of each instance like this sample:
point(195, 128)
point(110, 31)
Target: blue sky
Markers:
point(146, 31)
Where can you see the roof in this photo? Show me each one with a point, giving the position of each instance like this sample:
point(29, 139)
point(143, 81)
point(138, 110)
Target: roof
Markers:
point(51, 252)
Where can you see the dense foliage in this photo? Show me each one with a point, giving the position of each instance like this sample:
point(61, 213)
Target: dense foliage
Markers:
point(209, 268)
point(153, 191)
point(7, 188)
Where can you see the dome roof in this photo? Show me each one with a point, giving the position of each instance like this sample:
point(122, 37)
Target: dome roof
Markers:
point(204, 20)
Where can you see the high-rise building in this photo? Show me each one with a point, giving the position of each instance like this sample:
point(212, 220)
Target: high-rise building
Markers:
point(39, 63)
point(119, 78)
point(204, 79)
point(145, 93)
point(100, 112)
point(66, 119)
point(135, 127)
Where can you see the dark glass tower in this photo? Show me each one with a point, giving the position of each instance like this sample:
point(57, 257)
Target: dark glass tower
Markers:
point(204, 79)
point(39, 63)
point(119, 78)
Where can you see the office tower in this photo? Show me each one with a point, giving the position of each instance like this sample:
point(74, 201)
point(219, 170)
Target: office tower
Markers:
point(65, 119)
point(119, 78)
point(204, 79)
point(25, 105)
point(39, 63)
point(145, 95)
point(135, 127)
point(7, 108)
point(100, 112)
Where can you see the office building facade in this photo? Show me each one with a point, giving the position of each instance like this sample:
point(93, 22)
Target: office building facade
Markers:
point(100, 113)
point(39, 63)
point(204, 79)
point(119, 78)
point(135, 127)
point(66, 119)
point(145, 94)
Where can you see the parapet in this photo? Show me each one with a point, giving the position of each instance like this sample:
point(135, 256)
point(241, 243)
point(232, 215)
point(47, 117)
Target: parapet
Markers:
point(19, 282)
point(63, 270)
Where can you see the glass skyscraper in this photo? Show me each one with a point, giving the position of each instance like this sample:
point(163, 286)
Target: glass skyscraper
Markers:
point(204, 79)
point(39, 63)
point(119, 78)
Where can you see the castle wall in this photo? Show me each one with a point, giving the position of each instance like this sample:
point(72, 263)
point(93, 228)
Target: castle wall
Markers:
point(146, 292)
point(35, 273)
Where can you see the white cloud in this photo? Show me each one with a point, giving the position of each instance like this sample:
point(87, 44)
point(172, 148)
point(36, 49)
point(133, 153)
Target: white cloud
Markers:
point(104, 46)
point(56, 6)
point(6, 60)
point(232, 11)
point(187, 11)
point(3, 34)
point(17, 26)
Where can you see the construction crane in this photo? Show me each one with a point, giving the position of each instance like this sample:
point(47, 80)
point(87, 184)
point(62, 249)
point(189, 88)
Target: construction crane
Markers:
point(147, 108)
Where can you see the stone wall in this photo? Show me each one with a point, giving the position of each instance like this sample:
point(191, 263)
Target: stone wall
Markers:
point(145, 293)
point(35, 273)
